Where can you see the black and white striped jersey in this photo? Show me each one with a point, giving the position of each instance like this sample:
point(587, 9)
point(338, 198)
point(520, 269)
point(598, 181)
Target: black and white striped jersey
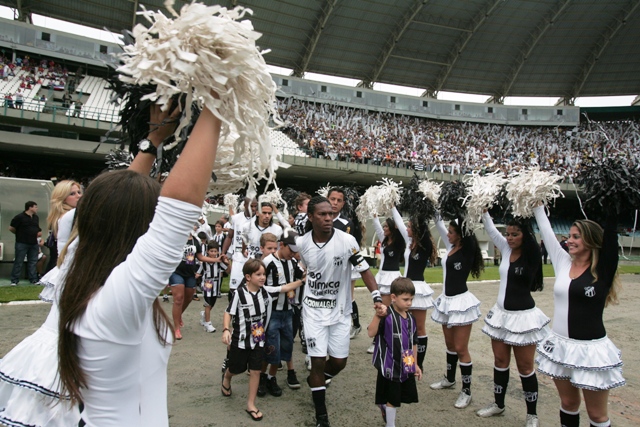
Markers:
point(299, 222)
point(250, 316)
point(212, 277)
point(280, 272)
point(219, 239)
point(327, 295)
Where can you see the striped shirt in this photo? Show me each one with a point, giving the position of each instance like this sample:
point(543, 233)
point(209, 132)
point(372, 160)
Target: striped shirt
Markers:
point(250, 313)
point(219, 239)
point(393, 352)
point(280, 272)
point(299, 222)
point(212, 277)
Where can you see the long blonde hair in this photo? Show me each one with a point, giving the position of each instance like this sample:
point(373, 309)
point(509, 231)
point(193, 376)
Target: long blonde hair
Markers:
point(592, 235)
point(57, 206)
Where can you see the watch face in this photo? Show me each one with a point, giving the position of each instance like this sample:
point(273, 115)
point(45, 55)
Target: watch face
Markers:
point(144, 145)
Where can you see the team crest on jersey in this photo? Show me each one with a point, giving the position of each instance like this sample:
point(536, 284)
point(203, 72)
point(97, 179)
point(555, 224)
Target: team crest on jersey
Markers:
point(354, 251)
point(391, 253)
point(589, 291)
point(549, 346)
point(311, 342)
point(416, 256)
point(519, 271)
point(337, 261)
point(457, 265)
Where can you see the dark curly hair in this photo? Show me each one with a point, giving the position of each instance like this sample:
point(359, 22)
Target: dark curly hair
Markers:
point(422, 239)
point(395, 239)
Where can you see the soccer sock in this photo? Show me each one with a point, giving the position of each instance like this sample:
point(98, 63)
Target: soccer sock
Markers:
point(355, 316)
point(465, 370)
point(391, 416)
point(422, 350)
point(530, 388)
point(500, 382)
point(452, 365)
point(318, 394)
point(569, 419)
point(602, 424)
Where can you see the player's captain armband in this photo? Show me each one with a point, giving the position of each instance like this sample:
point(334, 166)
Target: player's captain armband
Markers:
point(375, 296)
point(356, 258)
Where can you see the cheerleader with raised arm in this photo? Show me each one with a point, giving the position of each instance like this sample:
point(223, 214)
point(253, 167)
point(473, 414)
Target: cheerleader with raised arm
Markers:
point(515, 322)
point(577, 354)
point(419, 251)
point(392, 250)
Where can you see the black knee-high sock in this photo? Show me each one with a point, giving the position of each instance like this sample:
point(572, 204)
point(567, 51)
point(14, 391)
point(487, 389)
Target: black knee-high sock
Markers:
point(422, 350)
point(500, 382)
point(530, 388)
point(569, 419)
point(355, 316)
point(465, 370)
point(318, 394)
point(452, 365)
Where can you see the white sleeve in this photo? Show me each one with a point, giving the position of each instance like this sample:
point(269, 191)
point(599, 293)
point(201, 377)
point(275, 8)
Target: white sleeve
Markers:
point(556, 253)
point(495, 236)
point(282, 220)
point(442, 230)
point(118, 310)
point(378, 227)
point(65, 224)
point(400, 224)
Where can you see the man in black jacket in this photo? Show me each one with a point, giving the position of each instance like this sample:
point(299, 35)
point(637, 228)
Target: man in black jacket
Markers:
point(26, 227)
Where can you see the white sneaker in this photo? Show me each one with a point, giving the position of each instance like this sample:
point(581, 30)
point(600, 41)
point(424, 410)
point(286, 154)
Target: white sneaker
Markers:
point(307, 361)
point(202, 321)
point(208, 327)
point(532, 421)
point(355, 331)
point(443, 383)
point(463, 401)
point(490, 410)
point(371, 348)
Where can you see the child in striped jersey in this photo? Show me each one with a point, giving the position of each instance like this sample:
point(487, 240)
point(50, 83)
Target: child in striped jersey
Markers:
point(395, 351)
point(211, 274)
point(250, 310)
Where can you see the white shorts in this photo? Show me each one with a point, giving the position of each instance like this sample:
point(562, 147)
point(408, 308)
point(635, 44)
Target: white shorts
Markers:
point(332, 340)
point(236, 275)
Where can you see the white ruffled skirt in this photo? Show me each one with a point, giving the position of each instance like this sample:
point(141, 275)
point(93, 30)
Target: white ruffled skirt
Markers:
point(519, 328)
point(588, 364)
point(49, 281)
point(459, 310)
point(29, 384)
point(384, 279)
point(422, 299)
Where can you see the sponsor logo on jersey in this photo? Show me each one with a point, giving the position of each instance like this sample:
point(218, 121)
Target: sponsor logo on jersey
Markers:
point(320, 303)
point(589, 291)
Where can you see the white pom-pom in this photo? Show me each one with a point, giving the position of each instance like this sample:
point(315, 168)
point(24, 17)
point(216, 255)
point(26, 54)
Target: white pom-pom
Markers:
point(430, 190)
point(231, 201)
point(378, 200)
point(324, 191)
point(208, 50)
point(273, 197)
point(528, 188)
point(482, 194)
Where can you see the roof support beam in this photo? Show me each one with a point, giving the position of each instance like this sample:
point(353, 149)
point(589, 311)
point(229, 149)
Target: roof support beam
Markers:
point(636, 101)
point(534, 37)
point(393, 39)
point(24, 14)
point(603, 42)
point(462, 42)
point(326, 12)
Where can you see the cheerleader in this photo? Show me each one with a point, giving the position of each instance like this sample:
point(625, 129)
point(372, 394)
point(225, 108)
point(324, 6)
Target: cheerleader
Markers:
point(417, 254)
point(392, 249)
point(515, 321)
point(457, 308)
point(577, 353)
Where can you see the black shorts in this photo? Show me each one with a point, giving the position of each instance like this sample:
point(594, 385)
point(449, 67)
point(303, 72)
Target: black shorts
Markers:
point(395, 393)
point(209, 301)
point(241, 359)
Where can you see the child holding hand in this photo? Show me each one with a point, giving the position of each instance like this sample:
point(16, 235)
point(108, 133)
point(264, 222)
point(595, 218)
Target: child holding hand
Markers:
point(394, 356)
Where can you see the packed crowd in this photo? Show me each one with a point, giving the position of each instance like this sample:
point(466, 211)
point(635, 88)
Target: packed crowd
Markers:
point(38, 71)
point(358, 135)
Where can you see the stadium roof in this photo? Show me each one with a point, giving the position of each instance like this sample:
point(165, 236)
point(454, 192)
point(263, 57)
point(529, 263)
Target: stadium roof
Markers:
point(559, 48)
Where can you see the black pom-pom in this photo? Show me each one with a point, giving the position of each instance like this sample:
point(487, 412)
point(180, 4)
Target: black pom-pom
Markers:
point(610, 184)
point(118, 159)
point(413, 203)
point(289, 195)
point(450, 201)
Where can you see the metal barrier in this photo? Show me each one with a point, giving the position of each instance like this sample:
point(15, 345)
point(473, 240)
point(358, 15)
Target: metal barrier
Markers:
point(47, 111)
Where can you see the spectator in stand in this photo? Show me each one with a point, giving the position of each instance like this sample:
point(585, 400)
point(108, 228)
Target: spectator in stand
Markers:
point(77, 109)
point(19, 99)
